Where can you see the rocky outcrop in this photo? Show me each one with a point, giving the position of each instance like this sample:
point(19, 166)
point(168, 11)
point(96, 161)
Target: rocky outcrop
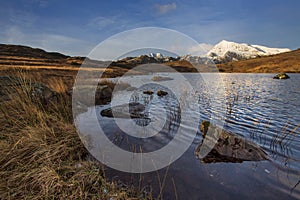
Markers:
point(281, 76)
point(228, 146)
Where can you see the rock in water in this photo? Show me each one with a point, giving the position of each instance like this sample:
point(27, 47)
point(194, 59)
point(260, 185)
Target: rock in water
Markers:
point(148, 92)
point(136, 110)
point(161, 93)
point(228, 147)
point(281, 76)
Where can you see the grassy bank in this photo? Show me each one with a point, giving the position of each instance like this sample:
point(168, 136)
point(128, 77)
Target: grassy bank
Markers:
point(42, 156)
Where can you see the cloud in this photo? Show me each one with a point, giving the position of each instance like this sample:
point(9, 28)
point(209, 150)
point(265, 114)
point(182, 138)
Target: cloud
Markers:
point(165, 8)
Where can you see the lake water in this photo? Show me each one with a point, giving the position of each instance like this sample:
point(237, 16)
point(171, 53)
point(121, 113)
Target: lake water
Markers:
point(253, 106)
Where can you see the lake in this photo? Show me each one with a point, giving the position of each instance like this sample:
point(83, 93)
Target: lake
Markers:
point(256, 107)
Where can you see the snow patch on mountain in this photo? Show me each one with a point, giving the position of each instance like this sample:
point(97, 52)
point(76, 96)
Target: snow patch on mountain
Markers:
point(226, 51)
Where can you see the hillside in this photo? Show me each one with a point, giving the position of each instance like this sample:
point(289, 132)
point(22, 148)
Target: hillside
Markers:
point(26, 57)
point(284, 62)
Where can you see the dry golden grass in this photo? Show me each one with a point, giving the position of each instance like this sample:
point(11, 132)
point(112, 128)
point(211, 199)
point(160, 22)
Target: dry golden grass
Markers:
point(42, 156)
point(284, 62)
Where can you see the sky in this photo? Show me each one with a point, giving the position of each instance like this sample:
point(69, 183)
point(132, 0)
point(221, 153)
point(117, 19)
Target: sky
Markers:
point(76, 27)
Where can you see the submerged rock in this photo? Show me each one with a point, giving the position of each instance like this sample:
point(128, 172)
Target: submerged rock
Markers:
point(281, 76)
point(228, 147)
point(136, 110)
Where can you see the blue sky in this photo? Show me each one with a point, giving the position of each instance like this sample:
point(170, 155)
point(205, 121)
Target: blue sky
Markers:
point(76, 27)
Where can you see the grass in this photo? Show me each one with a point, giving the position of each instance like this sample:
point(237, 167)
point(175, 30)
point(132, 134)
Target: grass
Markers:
point(42, 156)
point(285, 62)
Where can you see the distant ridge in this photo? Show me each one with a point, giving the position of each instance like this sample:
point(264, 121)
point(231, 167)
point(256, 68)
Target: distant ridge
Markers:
point(27, 57)
point(25, 51)
point(18, 56)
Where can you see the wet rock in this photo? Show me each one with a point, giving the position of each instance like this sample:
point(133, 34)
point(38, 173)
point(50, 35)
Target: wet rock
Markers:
point(281, 76)
point(136, 110)
point(161, 93)
point(228, 147)
point(149, 92)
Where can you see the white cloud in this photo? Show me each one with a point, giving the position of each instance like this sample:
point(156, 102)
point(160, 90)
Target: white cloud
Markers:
point(165, 8)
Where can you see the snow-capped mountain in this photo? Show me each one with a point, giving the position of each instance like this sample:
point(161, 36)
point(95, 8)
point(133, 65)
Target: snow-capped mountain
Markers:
point(226, 51)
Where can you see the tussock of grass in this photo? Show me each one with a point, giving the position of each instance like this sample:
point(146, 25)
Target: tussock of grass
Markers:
point(42, 157)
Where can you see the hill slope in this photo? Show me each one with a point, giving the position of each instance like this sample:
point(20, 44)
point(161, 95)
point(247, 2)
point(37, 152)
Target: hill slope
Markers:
point(284, 62)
